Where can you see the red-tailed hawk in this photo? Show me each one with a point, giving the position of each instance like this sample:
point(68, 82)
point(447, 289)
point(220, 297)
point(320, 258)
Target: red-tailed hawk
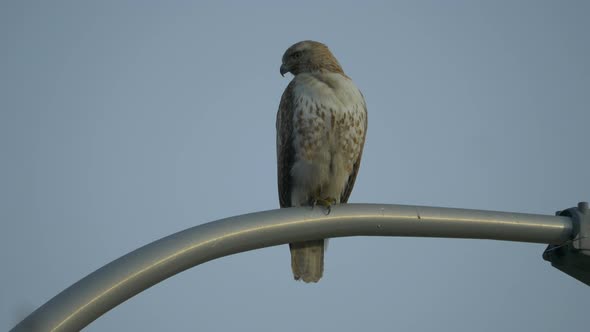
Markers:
point(321, 128)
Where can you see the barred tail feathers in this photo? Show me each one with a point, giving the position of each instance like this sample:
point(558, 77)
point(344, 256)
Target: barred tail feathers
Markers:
point(307, 260)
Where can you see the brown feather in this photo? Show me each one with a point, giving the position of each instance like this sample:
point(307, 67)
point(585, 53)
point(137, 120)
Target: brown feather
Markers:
point(285, 151)
point(352, 177)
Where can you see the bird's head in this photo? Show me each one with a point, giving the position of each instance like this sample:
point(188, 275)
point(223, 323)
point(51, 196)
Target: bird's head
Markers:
point(309, 56)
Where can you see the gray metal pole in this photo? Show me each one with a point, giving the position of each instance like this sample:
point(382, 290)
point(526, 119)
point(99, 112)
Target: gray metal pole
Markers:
point(107, 287)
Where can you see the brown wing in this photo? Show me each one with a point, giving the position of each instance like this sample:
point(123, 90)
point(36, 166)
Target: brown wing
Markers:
point(355, 169)
point(285, 151)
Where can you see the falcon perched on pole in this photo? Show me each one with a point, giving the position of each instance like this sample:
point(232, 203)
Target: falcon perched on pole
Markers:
point(321, 129)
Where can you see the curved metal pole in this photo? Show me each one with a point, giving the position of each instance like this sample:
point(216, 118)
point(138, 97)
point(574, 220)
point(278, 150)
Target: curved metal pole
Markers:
point(109, 286)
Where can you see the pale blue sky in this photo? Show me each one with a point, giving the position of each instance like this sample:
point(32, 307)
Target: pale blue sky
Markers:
point(124, 121)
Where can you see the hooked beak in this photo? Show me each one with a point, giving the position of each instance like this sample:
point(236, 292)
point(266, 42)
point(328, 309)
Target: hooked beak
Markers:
point(284, 70)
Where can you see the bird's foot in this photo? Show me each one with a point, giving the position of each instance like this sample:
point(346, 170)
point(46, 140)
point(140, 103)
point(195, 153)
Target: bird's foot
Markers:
point(326, 202)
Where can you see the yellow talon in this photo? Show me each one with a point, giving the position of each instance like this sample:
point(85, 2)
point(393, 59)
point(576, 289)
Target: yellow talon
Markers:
point(325, 202)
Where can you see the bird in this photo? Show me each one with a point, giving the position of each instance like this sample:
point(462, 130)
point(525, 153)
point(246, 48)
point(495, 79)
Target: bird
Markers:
point(321, 127)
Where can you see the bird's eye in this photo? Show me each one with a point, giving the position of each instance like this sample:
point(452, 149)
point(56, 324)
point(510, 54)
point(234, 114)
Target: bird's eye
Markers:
point(296, 55)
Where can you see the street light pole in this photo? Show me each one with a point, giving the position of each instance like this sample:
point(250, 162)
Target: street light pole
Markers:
point(114, 283)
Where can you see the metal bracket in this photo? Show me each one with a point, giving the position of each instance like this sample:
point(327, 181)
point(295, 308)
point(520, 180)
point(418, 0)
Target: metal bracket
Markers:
point(573, 256)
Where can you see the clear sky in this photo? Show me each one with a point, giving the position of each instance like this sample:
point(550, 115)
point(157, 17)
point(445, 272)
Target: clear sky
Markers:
point(125, 121)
